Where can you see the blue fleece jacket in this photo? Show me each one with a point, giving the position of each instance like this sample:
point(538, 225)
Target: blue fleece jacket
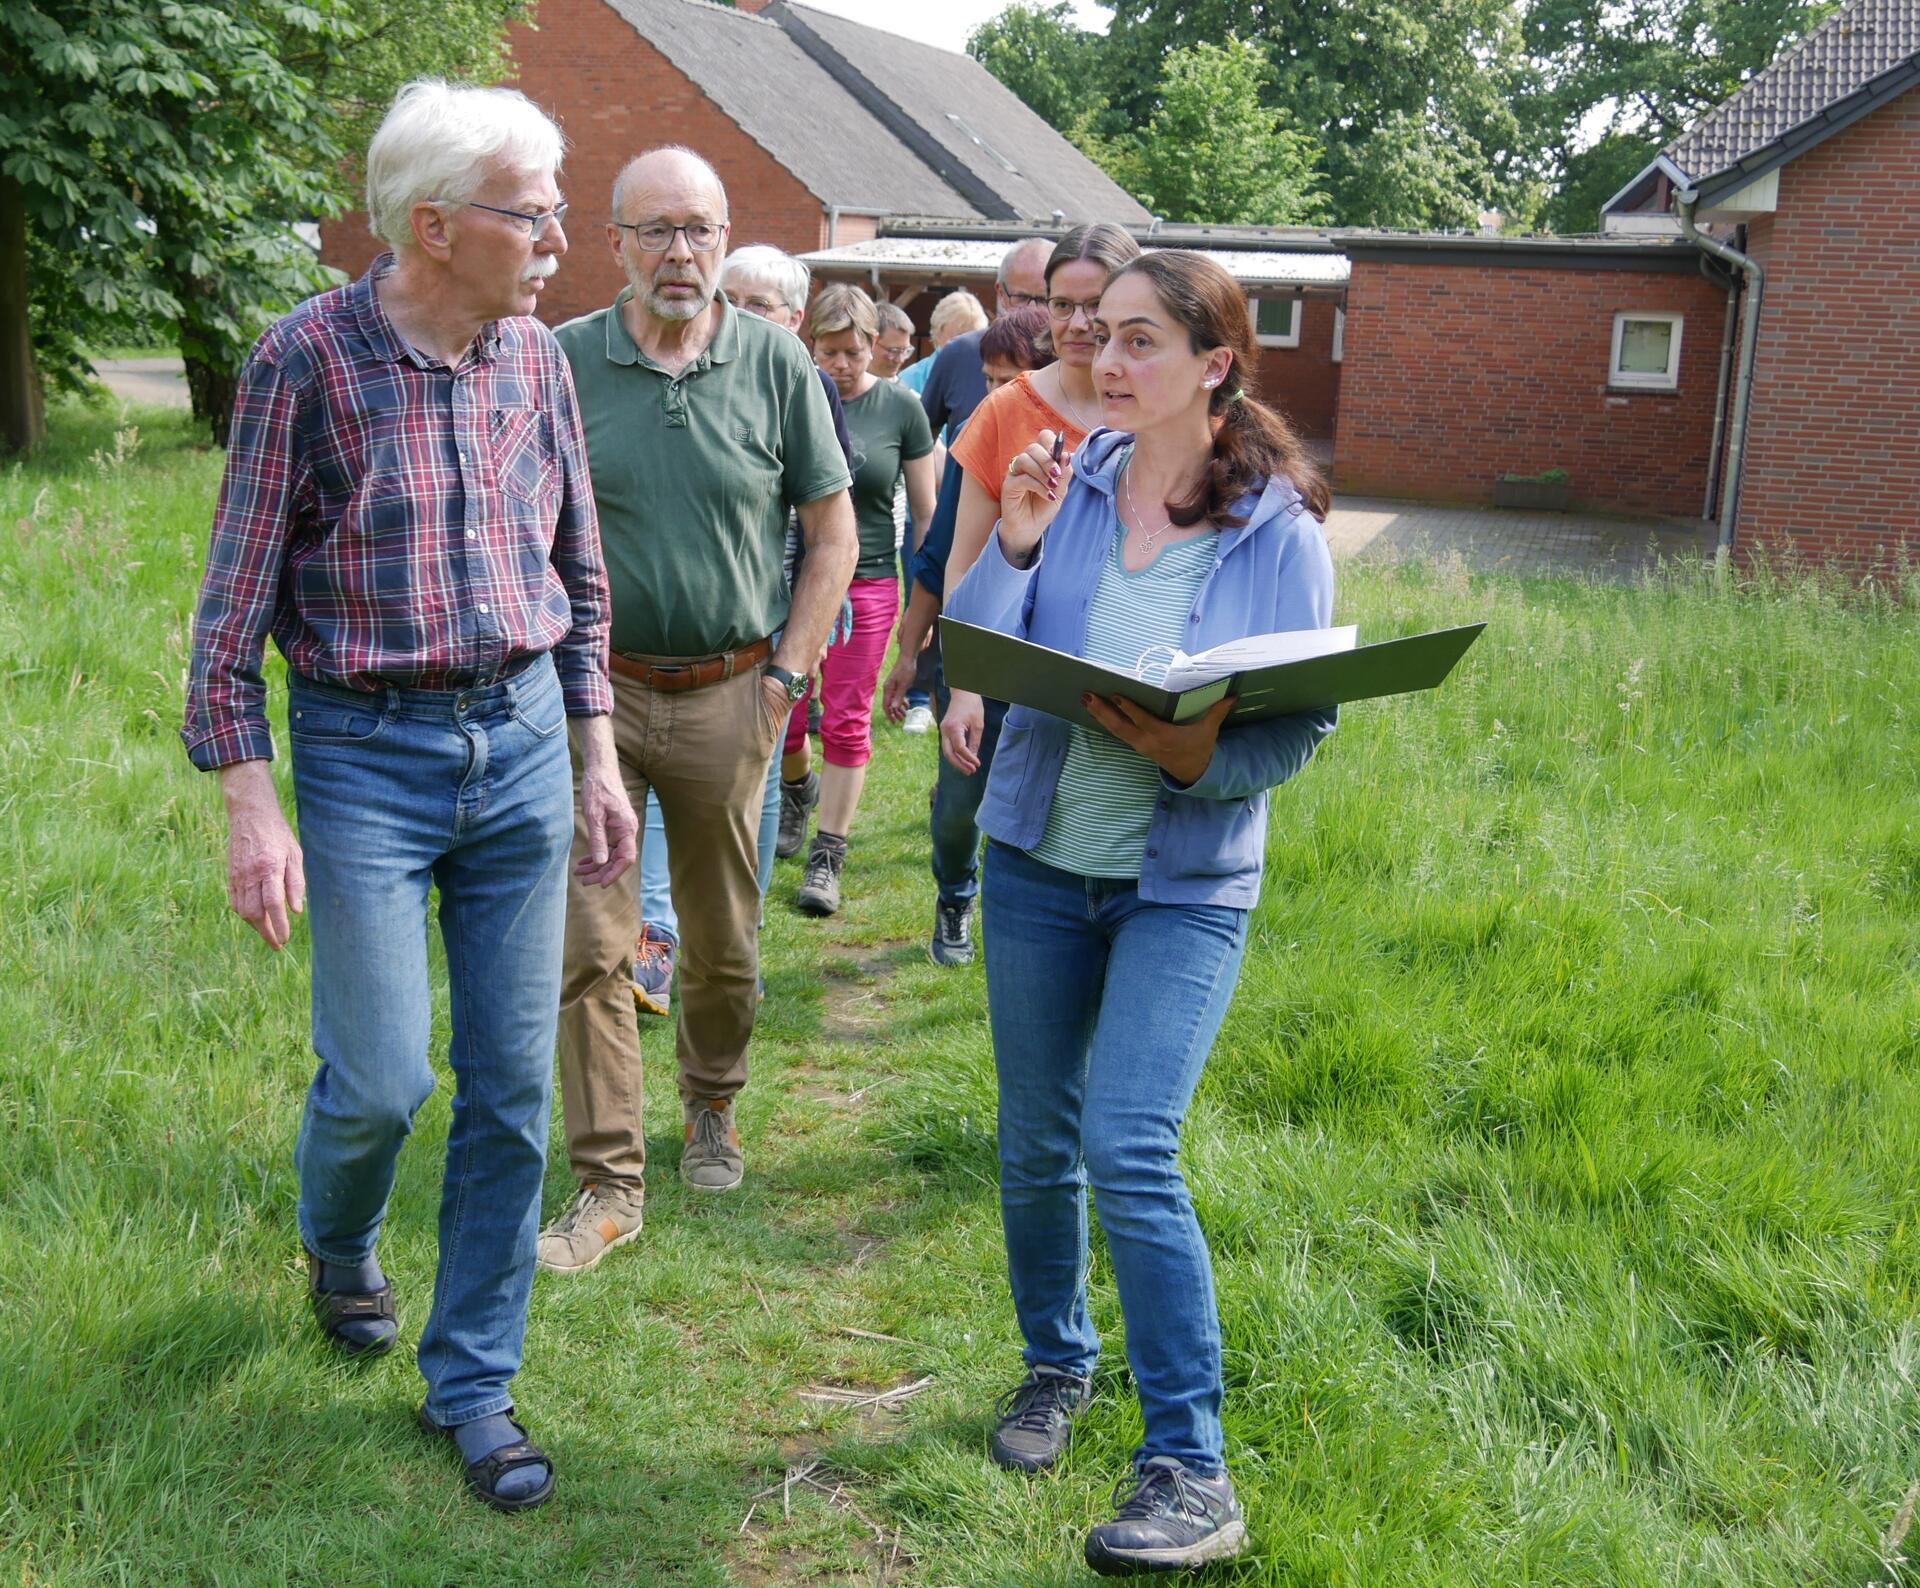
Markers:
point(1207, 841)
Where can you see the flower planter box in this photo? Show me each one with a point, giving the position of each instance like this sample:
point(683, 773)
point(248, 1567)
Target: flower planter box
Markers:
point(1541, 496)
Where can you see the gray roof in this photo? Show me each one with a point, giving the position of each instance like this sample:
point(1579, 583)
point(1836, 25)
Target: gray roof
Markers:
point(1847, 54)
point(791, 107)
point(978, 121)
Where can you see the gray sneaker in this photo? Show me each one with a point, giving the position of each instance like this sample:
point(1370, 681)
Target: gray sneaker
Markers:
point(952, 941)
point(1167, 1519)
point(820, 888)
point(797, 801)
point(711, 1159)
point(1036, 1416)
point(601, 1218)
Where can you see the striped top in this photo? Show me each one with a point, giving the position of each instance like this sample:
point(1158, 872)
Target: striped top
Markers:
point(1103, 803)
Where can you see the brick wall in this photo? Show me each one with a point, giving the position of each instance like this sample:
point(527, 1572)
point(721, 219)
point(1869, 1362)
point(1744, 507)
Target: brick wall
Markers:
point(1304, 382)
point(615, 95)
point(1455, 374)
point(1833, 461)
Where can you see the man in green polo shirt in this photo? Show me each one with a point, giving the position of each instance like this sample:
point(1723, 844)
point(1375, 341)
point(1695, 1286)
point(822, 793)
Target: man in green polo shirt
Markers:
point(705, 427)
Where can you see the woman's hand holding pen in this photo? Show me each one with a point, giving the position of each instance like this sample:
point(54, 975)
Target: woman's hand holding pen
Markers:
point(1031, 493)
point(1182, 750)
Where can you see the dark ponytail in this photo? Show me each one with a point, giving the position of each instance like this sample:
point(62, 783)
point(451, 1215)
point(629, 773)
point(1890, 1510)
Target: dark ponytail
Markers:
point(1251, 442)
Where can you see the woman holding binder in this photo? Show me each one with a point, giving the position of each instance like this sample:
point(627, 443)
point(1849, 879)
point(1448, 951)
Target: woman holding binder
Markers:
point(1122, 865)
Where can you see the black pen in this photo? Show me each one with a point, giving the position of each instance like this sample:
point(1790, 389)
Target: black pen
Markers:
point(1059, 446)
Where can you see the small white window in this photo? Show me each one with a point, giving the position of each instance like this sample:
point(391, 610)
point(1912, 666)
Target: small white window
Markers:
point(1646, 352)
point(1339, 335)
point(1276, 321)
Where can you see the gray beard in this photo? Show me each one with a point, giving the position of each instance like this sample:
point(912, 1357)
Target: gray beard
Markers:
point(662, 308)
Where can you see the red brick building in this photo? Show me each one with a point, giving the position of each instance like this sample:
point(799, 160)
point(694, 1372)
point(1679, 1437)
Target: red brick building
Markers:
point(1810, 172)
point(1471, 358)
point(818, 126)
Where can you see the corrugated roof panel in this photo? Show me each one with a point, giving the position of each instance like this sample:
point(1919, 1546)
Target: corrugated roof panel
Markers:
point(967, 258)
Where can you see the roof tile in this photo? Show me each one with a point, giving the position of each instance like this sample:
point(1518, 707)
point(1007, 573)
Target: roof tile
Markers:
point(1858, 43)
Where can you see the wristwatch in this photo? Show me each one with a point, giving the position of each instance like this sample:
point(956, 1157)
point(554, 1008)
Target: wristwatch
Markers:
point(795, 684)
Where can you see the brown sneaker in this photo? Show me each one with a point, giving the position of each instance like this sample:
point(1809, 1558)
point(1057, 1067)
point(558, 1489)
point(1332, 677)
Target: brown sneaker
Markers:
point(601, 1218)
point(711, 1160)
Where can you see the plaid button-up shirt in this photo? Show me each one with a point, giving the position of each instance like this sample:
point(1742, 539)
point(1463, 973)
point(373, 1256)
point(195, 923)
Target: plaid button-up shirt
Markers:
point(393, 521)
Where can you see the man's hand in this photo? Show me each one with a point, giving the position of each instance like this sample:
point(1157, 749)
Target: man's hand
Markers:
point(613, 831)
point(893, 694)
point(266, 874)
point(960, 730)
point(1182, 750)
point(779, 703)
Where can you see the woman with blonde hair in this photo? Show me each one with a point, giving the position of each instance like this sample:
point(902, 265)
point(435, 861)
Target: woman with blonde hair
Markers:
point(954, 315)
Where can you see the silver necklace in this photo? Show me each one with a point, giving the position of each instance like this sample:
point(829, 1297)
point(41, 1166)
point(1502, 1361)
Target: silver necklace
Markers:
point(1148, 538)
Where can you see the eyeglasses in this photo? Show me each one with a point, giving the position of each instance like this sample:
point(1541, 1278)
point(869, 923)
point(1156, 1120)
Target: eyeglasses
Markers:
point(764, 307)
point(656, 237)
point(1024, 300)
point(1062, 309)
point(536, 224)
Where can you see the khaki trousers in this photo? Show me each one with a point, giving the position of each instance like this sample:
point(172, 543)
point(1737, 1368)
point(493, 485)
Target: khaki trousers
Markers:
point(704, 753)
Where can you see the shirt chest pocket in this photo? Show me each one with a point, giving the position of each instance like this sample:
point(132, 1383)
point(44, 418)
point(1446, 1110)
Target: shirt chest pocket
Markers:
point(525, 462)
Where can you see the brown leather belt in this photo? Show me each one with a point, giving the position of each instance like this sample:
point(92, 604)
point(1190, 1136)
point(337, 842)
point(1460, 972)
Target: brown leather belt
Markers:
point(657, 674)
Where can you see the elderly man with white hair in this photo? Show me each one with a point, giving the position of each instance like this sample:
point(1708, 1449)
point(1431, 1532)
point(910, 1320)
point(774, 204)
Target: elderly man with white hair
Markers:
point(705, 427)
point(406, 509)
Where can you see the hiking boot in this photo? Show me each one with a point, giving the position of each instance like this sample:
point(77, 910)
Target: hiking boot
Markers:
point(919, 719)
point(820, 887)
point(1036, 1416)
point(653, 969)
point(797, 801)
point(711, 1160)
point(1168, 1519)
point(601, 1218)
point(952, 941)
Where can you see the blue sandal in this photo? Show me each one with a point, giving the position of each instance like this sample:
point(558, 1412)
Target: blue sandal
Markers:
point(484, 1475)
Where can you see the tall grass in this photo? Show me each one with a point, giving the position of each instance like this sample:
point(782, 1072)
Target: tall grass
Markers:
point(1559, 1155)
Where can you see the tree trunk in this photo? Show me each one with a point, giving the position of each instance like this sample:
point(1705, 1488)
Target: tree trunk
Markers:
point(212, 386)
point(23, 412)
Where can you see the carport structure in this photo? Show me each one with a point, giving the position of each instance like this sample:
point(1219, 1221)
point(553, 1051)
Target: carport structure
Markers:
point(1295, 281)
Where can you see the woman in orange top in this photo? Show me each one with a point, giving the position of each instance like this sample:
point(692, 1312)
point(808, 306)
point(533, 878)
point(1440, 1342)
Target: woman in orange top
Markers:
point(1060, 398)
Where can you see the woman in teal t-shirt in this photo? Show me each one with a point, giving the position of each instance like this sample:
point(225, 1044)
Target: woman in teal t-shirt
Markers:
point(891, 442)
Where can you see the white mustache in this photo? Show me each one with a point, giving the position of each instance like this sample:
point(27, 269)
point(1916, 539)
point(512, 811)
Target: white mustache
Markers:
point(540, 267)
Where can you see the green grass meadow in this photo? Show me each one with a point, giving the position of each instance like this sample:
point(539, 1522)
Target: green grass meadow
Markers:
point(1560, 1156)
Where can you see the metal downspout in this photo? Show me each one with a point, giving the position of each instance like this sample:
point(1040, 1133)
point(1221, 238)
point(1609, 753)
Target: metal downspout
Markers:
point(1731, 286)
point(1685, 202)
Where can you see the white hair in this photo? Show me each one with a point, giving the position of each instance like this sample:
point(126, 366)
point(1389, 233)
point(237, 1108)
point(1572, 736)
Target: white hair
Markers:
point(763, 265)
point(957, 312)
point(439, 140)
point(1013, 253)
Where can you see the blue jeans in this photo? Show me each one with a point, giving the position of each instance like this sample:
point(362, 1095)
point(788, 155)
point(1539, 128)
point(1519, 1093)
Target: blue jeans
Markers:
point(656, 893)
point(955, 803)
point(468, 791)
point(1103, 1010)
